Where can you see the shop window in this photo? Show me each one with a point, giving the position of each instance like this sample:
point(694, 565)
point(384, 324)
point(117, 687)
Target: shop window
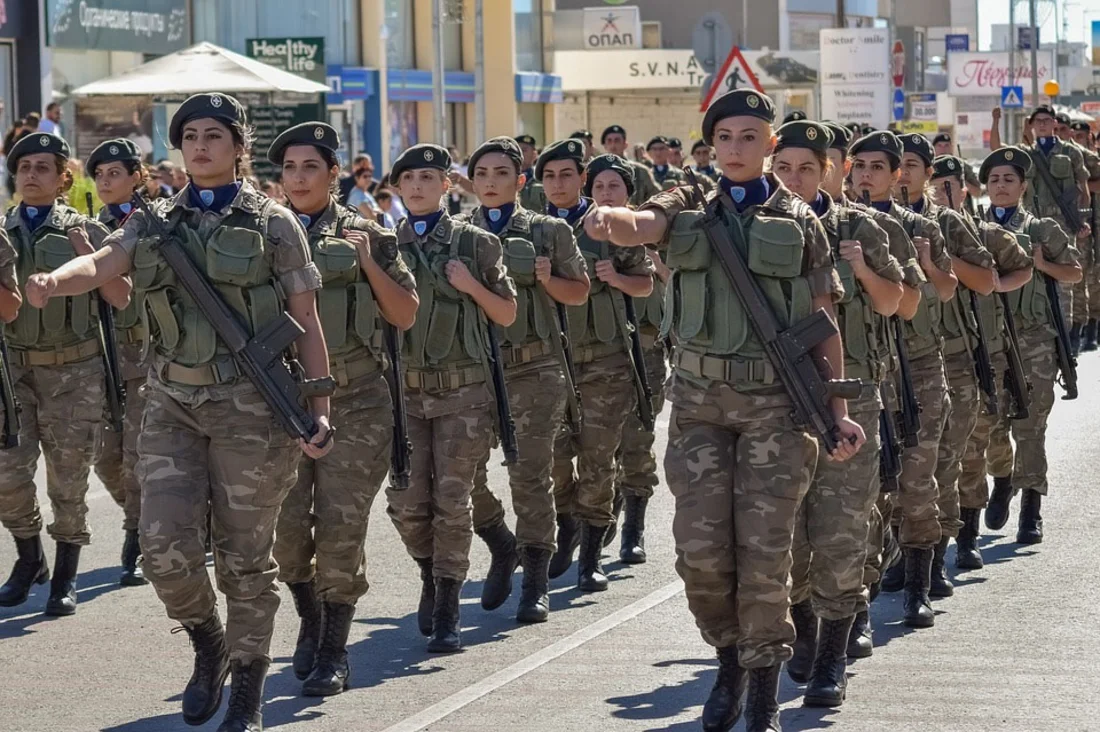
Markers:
point(528, 29)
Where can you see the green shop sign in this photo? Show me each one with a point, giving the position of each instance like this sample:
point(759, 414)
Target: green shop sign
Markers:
point(301, 56)
point(139, 26)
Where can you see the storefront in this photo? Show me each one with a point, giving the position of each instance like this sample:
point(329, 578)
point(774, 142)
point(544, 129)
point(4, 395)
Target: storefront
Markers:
point(20, 59)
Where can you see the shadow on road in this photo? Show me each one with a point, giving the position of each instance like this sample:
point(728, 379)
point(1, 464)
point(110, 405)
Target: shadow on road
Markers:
point(16, 621)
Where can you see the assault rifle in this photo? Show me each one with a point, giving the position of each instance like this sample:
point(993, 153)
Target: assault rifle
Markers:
point(637, 359)
point(116, 387)
point(1067, 362)
point(9, 433)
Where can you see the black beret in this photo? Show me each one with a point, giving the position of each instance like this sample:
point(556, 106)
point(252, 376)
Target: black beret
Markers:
point(112, 151)
point(1042, 109)
point(941, 137)
point(867, 129)
point(1014, 156)
point(424, 155)
point(1080, 127)
point(317, 134)
point(37, 142)
point(699, 144)
point(1062, 118)
point(796, 116)
point(582, 135)
point(601, 163)
point(526, 140)
point(200, 106)
point(505, 145)
point(737, 103)
point(842, 136)
point(612, 130)
point(881, 141)
point(918, 145)
point(674, 142)
point(658, 140)
point(561, 150)
point(804, 133)
point(948, 166)
point(856, 128)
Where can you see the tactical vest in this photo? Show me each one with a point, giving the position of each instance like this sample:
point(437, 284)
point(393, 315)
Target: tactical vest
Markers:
point(1061, 170)
point(1030, 304)
point(346, 306)
point(651, 310)
point(922, 333)
point(960, 330)
point(863, 331)
point(128, 319)
point(596, 328)
point(533, 322)
point(65, 321)
point(532, 197)
point(448, 335)
point(703, 311)
point(233, 257)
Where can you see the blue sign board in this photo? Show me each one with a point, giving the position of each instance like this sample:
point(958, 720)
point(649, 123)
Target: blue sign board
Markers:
point(1012, 97)
point(348, 83)
point(899, 105)
point(957, 42)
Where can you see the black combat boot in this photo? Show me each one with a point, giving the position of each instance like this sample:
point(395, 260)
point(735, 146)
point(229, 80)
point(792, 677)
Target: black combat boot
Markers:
point(762, 708)
point(30, 569)
point(996, 513)
point(331, 672)
point(569, 538)
point(534, 599)
point(891, 557)
point(616, 511)
point(1090, 336)
point(893, 577)
point(498, 582)
point(445, 621)
point(918, 578)
point(132, 576)
point(940, 586)
point(967, 553)
point(724, 705)
point(590, 576)
point(309, 627)
point(62, 599)
point(246, 698)
point(1031, 522)
point(632, 549)
point(203, 694)
point(861, 637)
point(829, 681)
point(427, 597)
point(1075, 338)
point(805, 643)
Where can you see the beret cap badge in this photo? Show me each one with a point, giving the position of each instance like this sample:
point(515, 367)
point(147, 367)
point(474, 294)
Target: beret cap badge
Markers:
point(318, 133)
point(1009, 155)
point(114, 149)
point(429, 155)
point(753, 101)
point(950, 164)
point(44, 141)
point(811, 134)
point(883, 139)
point(215, 101)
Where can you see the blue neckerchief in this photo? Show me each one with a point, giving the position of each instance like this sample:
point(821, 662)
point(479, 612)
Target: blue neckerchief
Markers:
point(422, 225)
point(883, 206)
point(571, 214)
point(498, 218)
point(1046, 144)
point(530, 175)
point(120, 210)
point(308, 219)
point(660, 169)
point(213, 199)
point(820, 205)
point(917, 206)
point(708, 170)
point(1004, 215)
point(34, 216)
point(748, 193)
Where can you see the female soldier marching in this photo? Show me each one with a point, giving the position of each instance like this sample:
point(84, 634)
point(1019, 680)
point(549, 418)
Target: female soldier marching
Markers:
point(209, 441)
point(323, 522)
point(58, 375)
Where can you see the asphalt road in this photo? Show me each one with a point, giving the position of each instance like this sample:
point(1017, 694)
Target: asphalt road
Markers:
point(1015, 650)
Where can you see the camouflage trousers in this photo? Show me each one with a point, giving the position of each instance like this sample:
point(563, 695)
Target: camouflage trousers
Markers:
point(967, 400)
point(230, 459)
point(322, 525)
point(62, 411)
point(916, 509)
point(830, 535)
point(433, 515)
point(738, 467)
point(608, 397)
point(1092, 275)
point(637, 474)
point(116, 457)
point(1082, 294)
point(1028, 468)
point(973, 486)
point(537, 400)
point(876, 543)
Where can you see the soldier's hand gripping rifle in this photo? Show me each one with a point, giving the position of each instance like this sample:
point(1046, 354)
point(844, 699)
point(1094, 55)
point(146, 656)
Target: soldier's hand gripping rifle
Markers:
point(260, 357)
point(789, 351)
point(9, 433)
point(108, 342)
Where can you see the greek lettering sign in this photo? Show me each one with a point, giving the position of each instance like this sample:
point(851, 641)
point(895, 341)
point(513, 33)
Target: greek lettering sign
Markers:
point(301, 56)
point(141, 26)
point(606, 28)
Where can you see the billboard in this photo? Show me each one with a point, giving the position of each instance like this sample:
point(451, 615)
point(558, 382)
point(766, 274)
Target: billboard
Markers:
point(986, 73)
point(857, 86)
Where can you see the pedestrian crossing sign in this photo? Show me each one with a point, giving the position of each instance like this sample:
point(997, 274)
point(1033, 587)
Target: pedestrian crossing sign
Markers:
point(1012, 97)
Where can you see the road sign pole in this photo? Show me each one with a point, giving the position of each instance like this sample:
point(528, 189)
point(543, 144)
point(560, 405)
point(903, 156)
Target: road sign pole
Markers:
point(1010, 120)
point(1035, 53)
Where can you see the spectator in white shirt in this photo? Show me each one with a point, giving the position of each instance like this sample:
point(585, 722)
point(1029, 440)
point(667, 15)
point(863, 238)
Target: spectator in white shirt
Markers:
point(51, 122)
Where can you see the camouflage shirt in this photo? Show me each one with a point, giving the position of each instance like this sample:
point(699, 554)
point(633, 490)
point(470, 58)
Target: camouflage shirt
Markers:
point(7, 263)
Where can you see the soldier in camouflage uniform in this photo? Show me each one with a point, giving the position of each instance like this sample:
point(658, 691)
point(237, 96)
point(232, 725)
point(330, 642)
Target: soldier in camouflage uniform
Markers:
point(737, 464)
point(1005, 173)
point(830, 536)
point(531, 196)
point(463, 284)
point(976, 274)
point(541, 256)
point(209, 442)
point(115, 165)
point(667, 175)
point(599, 334)
point(319, 539)
point(1089, 305)
point(57, 371)
point(614, 142)
point(704, 165)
